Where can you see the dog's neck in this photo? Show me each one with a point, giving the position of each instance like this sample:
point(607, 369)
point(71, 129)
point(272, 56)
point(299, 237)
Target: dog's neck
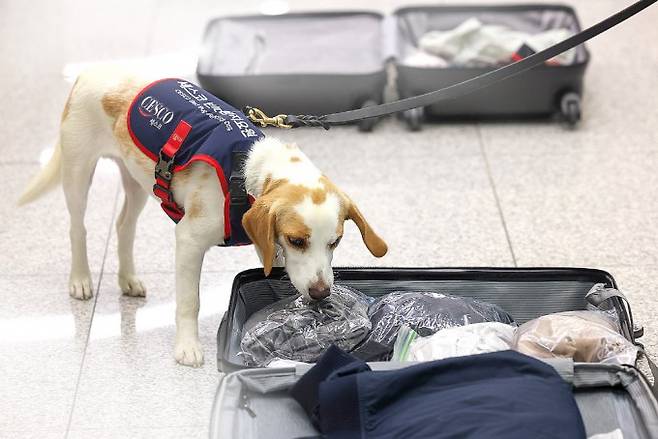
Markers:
point(272, 159)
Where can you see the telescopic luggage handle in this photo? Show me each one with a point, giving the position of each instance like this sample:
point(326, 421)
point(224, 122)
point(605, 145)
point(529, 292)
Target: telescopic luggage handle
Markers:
point(452, 91)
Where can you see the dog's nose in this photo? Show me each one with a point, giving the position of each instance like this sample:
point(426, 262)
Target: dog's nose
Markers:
point(319, 291)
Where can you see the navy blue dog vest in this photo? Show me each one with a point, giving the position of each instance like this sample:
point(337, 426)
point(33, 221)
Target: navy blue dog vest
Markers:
point(176, 123)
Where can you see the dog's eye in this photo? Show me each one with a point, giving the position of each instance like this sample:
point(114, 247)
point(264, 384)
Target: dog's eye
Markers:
point(297, 242)
point(335, 243)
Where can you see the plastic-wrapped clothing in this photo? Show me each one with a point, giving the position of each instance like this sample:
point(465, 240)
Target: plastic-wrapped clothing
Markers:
point(426, 313)
point(478, 338)
point(476, 44)
point(584, 336)
point(499, 395)
point(294, 329)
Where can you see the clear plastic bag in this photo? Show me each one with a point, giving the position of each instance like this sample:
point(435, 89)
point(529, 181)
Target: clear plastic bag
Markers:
point(584, 336)
point(477, 338)
point(426, 313)
point(294, 329)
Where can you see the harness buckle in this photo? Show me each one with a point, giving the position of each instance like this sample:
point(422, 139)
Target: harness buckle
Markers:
point(257, 115)
point(163, 167)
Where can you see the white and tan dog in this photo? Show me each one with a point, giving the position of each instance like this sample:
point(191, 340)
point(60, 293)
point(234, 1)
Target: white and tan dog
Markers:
point(297, 210)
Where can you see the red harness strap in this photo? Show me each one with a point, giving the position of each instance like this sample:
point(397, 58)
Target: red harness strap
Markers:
point(164, 171)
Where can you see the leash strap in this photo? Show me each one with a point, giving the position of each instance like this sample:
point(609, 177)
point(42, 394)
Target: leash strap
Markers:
point(164, 171)
point(453, 91)
point(238, 197)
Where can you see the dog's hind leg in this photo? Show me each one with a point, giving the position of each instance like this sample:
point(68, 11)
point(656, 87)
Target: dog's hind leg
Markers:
point(78, 170)
point(135, 199)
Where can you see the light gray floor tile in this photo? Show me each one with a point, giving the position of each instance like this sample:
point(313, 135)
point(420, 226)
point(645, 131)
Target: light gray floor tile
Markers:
point(32, 434)
point(36, 236)
point(130, 377)
point(579, 206)
point(32, 124)
point(43, 37)
point(118, 432)
point(44, 332)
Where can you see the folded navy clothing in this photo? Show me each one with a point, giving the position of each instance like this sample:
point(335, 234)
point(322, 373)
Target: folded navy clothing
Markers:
point(425, 312)
point(500, 395)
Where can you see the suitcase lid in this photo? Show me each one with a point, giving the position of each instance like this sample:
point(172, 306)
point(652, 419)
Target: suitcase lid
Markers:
point(252, 403)
point(526, 293)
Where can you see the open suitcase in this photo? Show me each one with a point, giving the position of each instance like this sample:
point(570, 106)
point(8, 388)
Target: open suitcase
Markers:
point(304, 63)
point(326, 62)
point(543, 91)
point(252, 402)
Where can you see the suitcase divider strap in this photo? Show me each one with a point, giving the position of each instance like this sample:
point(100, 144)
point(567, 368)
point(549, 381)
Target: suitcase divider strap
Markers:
point(452, 91)
point(599, 293)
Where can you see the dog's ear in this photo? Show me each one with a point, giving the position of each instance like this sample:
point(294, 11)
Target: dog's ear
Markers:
point(259, 222)
point(375, 244)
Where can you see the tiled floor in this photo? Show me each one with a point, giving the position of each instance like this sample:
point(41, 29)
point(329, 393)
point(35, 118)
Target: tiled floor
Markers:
point(470, 194)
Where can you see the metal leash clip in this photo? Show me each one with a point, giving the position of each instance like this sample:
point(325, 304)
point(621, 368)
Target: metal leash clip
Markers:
point(259, 117)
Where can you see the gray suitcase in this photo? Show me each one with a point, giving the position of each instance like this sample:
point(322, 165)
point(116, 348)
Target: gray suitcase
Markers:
point(254, 403)
point(325, 62)
point(301, 63)
point(543, 91)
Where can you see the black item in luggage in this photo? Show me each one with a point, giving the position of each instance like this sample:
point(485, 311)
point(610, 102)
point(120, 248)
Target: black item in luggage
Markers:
point(524, 293)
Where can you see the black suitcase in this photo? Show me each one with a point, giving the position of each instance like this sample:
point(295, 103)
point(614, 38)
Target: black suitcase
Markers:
point(543, 91)
point(252, 402)
point(303, 63)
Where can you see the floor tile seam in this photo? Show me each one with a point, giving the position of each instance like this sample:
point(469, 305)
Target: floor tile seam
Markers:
point(93, 312)
point(492, 183)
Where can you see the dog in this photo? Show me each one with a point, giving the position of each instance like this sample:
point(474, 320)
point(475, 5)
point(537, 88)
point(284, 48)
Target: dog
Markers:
point(295, 221)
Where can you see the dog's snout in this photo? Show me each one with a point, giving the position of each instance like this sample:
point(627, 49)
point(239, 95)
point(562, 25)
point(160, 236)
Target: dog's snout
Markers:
point(319, 290)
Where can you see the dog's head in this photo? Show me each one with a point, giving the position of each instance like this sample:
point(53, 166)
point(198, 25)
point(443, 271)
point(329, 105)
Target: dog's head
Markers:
point(308, 225)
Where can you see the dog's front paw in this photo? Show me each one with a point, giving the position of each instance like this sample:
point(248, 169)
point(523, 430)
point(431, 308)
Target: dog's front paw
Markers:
point(80, 287)
point(189, 352)
point(131, 286)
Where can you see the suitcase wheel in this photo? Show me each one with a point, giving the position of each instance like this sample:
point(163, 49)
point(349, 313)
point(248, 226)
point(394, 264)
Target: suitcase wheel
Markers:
point(413, 118)
point(367, 125)
point(570, 108)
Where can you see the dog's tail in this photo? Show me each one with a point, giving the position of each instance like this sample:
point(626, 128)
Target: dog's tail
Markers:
point(46, 180)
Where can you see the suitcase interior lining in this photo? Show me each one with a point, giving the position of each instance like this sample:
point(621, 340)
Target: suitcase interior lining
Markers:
point(603, 410)
point(331, 43)
point(413, 23)
point(523, 298)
